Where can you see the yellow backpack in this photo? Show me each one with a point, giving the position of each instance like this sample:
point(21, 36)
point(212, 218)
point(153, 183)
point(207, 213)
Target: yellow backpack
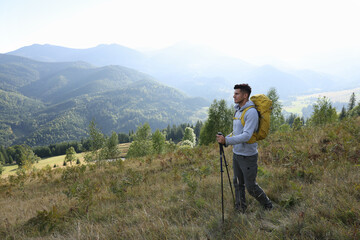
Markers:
point(263, 105)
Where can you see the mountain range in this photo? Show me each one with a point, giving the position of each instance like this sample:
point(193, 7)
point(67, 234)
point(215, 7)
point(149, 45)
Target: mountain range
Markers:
point(195, 70)
point(50, 93)
point(48, 102)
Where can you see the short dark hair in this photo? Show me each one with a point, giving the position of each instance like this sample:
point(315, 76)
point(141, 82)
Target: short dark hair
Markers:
point(244, 88)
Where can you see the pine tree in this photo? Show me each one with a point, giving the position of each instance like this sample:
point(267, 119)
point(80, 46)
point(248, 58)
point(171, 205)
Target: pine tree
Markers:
point(112, 150)
point(276, 117)
point(343, 113)
point(352, 102)
point(96, 137)
point(297, 124)
point(2, 158)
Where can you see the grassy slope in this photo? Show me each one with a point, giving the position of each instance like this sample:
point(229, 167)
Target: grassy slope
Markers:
point(58, 160)
point(311, 175)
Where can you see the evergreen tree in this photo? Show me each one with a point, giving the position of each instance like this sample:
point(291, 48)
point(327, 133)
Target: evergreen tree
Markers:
point(352, 102)
point(123, 138)
point(343, 113)
point(97, 139)
point(291, 118)
point(220, 119)
point(11, 160)
point(2, 158)
point(158, 142)
point(297, 124)
point(112, 150)
point(276, 117)
point(323, 112)
point(355, 111)
point(5, 155)
point(197, 129)
point(178, 134)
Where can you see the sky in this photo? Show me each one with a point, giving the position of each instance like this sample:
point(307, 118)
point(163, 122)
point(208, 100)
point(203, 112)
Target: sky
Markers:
point(294, 32)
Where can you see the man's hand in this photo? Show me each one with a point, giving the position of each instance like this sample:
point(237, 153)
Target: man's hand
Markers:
point(220, 139)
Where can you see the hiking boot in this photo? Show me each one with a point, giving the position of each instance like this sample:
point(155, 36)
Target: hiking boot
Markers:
point(268, 206)
point(239, 208)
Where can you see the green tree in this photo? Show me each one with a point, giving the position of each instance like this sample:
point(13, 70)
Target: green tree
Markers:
point(291, 118)
point(355, 111)
point(142, 144)
point(143, 132)
point(342, 114)
point(284, 128)
point(97, 141)
point(123, 138)
point(276, 117)
point(158, 142)
point(1, 169)
point(112, 150)
point(24, 156)
point(97, 138)
point(190, 135)
point(197, 129)
point(2, 158)
point(297, 124)
point(352, 102)
point(70, 155)
point(323, 112)
point(220, 119)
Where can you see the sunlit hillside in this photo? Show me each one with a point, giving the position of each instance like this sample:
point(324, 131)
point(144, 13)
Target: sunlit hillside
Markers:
point(338, 98)
point(311, 175)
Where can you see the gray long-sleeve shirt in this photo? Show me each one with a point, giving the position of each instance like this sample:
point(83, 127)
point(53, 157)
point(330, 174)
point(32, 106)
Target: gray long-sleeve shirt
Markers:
point(241, 134)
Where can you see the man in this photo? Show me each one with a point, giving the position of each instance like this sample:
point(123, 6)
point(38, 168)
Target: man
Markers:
point(245, 155)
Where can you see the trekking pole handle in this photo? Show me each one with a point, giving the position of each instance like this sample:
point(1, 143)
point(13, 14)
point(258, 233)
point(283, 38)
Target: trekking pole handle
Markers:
point(220, 133)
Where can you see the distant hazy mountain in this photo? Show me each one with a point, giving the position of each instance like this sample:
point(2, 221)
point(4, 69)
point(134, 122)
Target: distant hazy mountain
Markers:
point(51, 102)
point(196, 70)
point(101, 55)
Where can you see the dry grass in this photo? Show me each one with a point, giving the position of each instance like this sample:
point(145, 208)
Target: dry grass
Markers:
point(311, 175)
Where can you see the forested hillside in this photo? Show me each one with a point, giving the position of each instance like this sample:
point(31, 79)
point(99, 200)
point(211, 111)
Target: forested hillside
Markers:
point(44, 103)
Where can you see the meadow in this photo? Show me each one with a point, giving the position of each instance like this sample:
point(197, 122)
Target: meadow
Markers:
point(58, 161)
point(311, 175)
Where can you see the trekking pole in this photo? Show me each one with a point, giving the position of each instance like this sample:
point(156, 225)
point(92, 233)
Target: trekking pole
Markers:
point(227, 170)
point(222, 154)
point(222, 186)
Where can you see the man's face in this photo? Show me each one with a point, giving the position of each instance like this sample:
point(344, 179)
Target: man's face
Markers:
point(240, 97)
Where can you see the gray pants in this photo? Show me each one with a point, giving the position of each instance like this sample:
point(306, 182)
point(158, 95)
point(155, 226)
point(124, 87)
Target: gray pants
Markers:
point(245, 172)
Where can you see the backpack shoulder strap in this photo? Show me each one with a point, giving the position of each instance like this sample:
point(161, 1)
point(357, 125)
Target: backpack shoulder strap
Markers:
point(243, 114)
